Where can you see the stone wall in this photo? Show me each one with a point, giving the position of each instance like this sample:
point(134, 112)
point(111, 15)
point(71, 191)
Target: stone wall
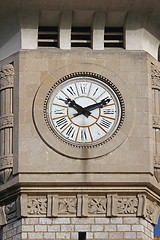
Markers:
point(69, 228)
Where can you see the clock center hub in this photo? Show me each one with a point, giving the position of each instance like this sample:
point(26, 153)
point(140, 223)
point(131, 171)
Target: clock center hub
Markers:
point(83, 119)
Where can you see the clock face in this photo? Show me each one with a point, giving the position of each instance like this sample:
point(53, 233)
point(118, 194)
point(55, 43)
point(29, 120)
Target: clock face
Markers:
point(83, 110)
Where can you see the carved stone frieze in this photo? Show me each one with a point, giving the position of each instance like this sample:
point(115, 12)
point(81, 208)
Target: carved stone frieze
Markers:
point(11, 211)
point(97, 206)
point(157, 167)
point(127, 205)
point(37, 206)
point(67, 206)
point(152, 212)
point(6, 162)
point(55, 205)
point(6, 76)
point(155, 76)
point(6, 121)
point(156, 121)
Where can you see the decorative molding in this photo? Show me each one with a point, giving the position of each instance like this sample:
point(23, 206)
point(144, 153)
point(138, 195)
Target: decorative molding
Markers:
point(157, 167)
point(6, 121)
point(11, 211)
point(96, 206)
point(6, 162)
point(67, 206)
point(3, 219)
point(155, 76)
point(156, 121)
point(6, 76)
point(5, 174)
point(82, 205)
point(152, 212)
point(37, 206)
point(127, 205)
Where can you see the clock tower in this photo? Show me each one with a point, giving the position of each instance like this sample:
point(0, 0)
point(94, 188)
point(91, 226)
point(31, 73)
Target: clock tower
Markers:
point(79, 119)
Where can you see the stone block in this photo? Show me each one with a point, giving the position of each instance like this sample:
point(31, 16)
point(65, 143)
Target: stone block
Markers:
point(49, 235)
point(100, 235)
point(62, 235)
point(40, 228)
point(130, 235)
point(110, 228)
point(67, 228)
point(81, 228)
point(97, 228)
point(123, 228)
point(35, 236)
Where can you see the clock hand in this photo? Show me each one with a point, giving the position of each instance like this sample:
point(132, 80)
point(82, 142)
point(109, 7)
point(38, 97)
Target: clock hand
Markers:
point(102, 103)
point(77, 107)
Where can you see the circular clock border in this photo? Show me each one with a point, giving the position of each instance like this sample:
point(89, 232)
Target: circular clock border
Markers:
point(96, 77)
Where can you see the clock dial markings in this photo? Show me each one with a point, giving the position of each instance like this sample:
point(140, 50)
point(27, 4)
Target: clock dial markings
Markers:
point(70, 132)
point(77, 134)
point(83, 110)
point(83, 88)
point(70, 91)
point(59, 105)
point(61, 123)
point(107, 117)
point(90, 134)
point(103, 122)
point(66, 128)
point(108, 111)
point(101, 127)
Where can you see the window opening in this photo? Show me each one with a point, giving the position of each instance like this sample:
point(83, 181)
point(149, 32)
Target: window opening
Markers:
point(113, 37)
point(81, 37)
point(47, 36)
point(82, 236)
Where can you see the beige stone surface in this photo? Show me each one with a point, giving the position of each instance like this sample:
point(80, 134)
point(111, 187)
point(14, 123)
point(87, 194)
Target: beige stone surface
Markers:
point(130, 148)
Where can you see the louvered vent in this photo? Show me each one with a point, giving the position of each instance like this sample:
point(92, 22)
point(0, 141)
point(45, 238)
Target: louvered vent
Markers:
point(113, 37)
point(81, 37)
point(48, 37)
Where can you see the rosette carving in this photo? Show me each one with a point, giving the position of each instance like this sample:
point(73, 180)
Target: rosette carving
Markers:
point(67, 206)
point(37, 206)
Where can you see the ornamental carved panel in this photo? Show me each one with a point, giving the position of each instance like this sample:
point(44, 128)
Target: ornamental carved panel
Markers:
point(127, 205)
point(6, 121)
point(155, 78)
point(96, 206)
point(67, 206)
point(37, 206)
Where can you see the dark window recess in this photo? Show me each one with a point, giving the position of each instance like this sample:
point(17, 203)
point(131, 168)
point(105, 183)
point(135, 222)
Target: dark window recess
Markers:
point(48, 37)
point(113, 37)
point(82, 236)
point(81, 37)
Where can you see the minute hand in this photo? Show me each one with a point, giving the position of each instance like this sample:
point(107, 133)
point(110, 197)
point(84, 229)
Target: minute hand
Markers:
point(102, 103)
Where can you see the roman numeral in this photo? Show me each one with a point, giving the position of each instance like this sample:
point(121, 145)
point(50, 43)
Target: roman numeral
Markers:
point(71, 91)
point(95, 91)
point(59, 111)
point(108, 111)
point(70, 131)
point(83, 88)
point(105, 123)
point(83, 135)
point(62, 122)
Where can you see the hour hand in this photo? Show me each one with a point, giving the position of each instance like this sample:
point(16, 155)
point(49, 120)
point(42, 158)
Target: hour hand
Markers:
point(78, 108)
